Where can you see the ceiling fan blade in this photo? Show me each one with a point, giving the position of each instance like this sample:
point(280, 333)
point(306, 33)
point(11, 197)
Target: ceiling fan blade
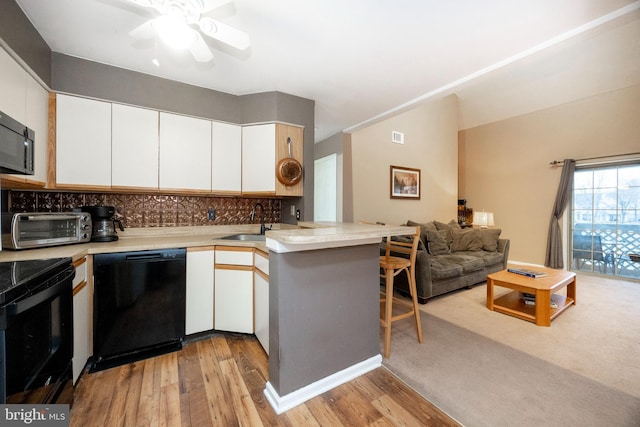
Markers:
point(144, 31)
point(200, 50)
point(224, 33)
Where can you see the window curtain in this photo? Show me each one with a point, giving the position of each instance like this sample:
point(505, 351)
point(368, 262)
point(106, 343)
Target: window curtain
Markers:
point(554, 257)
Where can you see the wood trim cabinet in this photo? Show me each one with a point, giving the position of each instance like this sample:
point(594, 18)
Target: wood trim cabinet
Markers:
point(25, 100)
point(134, 147)
point(82, 325)
point(226, 158)
point(185, 153)
point(261, 298)
point(233, 300)
point(263, 146)
point(200, 290)
point(83, 143)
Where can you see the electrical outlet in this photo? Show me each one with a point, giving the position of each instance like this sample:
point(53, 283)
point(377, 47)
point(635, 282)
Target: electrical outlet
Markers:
point(211, 214)
point(293, 210)
point(298, 214)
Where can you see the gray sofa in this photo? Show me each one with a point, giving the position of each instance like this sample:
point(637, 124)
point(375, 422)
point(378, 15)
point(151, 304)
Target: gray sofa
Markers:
point(451, 258)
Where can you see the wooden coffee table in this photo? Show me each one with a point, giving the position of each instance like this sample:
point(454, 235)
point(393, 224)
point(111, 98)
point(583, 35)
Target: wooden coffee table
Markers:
point(544, 288)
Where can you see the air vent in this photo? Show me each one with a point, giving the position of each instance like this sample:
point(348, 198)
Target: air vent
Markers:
point(397, 137)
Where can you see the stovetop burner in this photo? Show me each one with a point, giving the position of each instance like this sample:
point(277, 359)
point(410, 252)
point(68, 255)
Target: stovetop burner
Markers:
point(17, 278)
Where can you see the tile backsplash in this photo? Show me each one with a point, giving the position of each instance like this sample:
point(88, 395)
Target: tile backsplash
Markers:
point(150, 210)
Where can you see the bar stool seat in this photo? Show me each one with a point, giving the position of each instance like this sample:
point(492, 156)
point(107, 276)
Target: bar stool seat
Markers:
point(391, 266)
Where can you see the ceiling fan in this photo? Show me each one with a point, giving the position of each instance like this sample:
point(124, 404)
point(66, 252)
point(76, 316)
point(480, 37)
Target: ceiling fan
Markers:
point(178, 22)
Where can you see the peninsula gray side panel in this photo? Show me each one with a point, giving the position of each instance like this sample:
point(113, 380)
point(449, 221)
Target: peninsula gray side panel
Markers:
point(324, 313)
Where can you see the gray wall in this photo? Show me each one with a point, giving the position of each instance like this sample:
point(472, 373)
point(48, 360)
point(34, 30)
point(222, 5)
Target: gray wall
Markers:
point(20, 36)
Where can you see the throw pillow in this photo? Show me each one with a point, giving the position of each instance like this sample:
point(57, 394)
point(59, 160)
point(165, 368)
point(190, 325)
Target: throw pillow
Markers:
point(466, 240)
point(437, 242)
point(489, 237)
point(424, 227)
point(450, 227)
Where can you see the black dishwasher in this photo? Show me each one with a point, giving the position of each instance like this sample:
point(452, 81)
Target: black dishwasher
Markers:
point(139, 305)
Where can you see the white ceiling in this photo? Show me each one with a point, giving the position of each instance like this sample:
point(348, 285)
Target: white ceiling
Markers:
point(361, 60)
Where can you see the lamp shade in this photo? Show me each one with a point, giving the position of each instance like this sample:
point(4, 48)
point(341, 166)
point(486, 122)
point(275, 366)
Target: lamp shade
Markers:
point(483, 219)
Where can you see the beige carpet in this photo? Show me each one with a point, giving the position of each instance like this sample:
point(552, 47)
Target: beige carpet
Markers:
point(487, 368)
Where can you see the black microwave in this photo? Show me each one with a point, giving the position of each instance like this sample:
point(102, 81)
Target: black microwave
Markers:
point(16, 146)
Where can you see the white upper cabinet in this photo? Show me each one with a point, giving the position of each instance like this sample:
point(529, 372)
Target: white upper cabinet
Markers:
point(25, 100)
point(38, 120)
point(13, 81)
point(226, 158)
point(259, 158)
point(134, 147)
point(83, 142)
point(263, 148)
point(185, 152)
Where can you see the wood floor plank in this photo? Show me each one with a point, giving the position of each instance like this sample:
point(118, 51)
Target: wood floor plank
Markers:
point(323, 412)
point(351, 405)
point(246, 412)
point(219, 380)
point(302, 416)
point(193, 401)
point(170, 406)
point(218, 398)
point(395, 413)
point(149, 394)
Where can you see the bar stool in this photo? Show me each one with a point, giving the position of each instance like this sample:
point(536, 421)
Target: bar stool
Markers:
point(390, 267)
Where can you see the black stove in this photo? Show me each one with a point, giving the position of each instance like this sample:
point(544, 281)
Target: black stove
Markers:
point(36, 331)
point(19, 279)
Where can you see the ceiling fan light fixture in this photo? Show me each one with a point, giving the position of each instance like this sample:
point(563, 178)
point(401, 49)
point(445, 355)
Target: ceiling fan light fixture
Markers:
point(174, 31)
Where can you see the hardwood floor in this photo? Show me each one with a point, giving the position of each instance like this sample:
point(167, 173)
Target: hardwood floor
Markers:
point(219, 381)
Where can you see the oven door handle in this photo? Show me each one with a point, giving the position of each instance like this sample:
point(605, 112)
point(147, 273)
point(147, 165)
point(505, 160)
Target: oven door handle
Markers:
point(21, 306)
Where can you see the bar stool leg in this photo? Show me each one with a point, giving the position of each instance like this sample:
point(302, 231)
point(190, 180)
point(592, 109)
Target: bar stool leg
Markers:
point(388, 309)
point(414, 296)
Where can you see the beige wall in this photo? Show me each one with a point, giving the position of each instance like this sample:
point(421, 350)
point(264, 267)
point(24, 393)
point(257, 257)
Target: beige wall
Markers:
point(504, 166)
point(431, 145)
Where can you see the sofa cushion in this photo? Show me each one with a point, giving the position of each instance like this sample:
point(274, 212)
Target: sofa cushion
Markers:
point(489, 237)
point(466, 240)
point(443, 267)
point(468, 261)
point(424, 227)
point(437, 243)
point(488, 258)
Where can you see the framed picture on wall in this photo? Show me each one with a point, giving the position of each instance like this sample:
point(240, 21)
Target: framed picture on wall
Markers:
point(405, 183)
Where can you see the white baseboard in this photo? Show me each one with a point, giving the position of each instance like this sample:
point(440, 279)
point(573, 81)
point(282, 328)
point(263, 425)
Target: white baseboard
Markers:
point(282, 404)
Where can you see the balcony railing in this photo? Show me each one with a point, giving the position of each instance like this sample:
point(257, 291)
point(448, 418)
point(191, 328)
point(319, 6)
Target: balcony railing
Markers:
point(608, 248)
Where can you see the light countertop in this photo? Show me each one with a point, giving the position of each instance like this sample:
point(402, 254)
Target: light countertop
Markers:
point(282, 238)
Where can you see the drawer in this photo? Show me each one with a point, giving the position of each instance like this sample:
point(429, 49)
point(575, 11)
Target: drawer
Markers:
point(81, 271)
point(237, 256)
point(262, 262)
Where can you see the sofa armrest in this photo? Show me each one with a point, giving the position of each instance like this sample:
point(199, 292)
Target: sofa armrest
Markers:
point(503, 247)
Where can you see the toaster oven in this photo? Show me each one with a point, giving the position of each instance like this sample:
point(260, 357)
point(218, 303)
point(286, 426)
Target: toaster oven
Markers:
point(35, 230)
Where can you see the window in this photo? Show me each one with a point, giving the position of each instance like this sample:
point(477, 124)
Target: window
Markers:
point(606, 220)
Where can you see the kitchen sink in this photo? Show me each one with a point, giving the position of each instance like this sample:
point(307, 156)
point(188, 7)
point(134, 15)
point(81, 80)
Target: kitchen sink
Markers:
point(250, 237)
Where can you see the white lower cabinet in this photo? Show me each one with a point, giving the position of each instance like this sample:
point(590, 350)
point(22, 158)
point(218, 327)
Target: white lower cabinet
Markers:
point(234, 289)
point(234, 300)
point(261, 298)
point(81, 319)
point(200, 295)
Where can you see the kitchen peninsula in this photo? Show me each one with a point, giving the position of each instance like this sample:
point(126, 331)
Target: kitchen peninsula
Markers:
point(323, 307)
point(323, 295)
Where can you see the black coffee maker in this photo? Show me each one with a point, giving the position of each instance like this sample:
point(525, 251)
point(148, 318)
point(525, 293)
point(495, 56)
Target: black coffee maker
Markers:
point(104, 223)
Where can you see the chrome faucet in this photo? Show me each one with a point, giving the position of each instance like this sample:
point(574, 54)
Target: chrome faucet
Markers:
point(263, 228)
